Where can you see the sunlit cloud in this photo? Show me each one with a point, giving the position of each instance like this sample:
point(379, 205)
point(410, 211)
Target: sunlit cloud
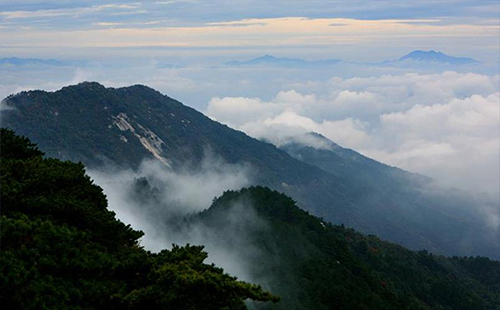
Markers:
point(67, 12)
point(293, 31)
point(107, 24)
point(446, 126)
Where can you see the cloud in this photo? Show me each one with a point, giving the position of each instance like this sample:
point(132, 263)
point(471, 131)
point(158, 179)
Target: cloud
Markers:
point(183, 190)
point(160, 201)
point(280, 129)
point(225, 10)
point(4, 107)
point(314, 34)
point(457, 141)
point(294, 97)
point(443, 125)
point(74, 12)
point(107, 24)
point(239, 110)
point(369, 29)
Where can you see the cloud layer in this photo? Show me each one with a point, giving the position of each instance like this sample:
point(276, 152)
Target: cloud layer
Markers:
point(443, 125)
point(131, 29)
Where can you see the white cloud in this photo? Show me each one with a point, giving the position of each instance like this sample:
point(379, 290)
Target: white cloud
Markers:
point(292, 96)
point(240, 110)
point(67, 11)
point(457, 142)
point(444, 125)
point(175, 193)
point(107, 24)
point(280, 129)
point(159, 200)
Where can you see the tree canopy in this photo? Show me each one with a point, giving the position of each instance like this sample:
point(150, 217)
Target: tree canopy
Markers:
point(61, 248)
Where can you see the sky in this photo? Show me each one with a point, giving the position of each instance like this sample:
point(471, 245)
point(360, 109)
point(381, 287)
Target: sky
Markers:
point(441, 120)
point(352, 30)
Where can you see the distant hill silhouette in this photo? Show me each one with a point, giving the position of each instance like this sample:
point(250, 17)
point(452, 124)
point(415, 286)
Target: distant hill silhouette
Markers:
point(438, 57)
point(268, 60)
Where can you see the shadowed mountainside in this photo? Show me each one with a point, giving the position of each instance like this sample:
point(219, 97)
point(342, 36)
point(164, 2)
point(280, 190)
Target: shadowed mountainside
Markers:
point(121, 126)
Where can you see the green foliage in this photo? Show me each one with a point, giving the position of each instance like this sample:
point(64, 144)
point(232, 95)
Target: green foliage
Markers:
point(63, 249)
point(315, 265)
point(192, 283)
point(13, 146)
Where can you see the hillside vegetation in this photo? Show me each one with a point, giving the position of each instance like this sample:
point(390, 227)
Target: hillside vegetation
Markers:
point(313, 264)
point(61, 248)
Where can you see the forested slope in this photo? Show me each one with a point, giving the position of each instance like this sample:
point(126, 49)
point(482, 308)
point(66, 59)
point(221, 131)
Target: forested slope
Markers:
point(313, 264)
point(61, 248)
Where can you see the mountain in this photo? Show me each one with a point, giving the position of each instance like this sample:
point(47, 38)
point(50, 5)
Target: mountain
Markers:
point(436, 57)
point(63, 249)
point(268, 60)
point(14, 61)
point(405, 197)
point(343, 162)
point(121, 126)
point(417, 57)
point(313, 264)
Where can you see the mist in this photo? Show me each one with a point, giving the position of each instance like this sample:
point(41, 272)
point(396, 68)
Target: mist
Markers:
point(160, 201)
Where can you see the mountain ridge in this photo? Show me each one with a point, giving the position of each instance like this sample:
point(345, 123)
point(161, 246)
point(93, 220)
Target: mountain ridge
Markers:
point(436, 56)
point(283, 62)
point(16, 61)
point(122, 126)
point(418, 56)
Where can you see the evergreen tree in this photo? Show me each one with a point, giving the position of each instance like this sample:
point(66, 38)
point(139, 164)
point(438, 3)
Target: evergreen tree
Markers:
point(61, 248)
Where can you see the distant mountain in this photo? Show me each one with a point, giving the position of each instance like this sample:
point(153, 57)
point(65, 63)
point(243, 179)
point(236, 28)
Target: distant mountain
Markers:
point(436, 57)
point(170, 66)
point(414, 58)
point(31, 61)
point(269, 60)
point(97, 125)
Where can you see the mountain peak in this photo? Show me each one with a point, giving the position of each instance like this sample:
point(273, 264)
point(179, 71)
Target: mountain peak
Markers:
point(139, 87)
point(87, 86)
point(437, 56)
point(92, 86)
point(267, 56)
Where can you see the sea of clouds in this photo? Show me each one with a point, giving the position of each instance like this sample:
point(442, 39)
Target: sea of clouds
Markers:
point(444, 125)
